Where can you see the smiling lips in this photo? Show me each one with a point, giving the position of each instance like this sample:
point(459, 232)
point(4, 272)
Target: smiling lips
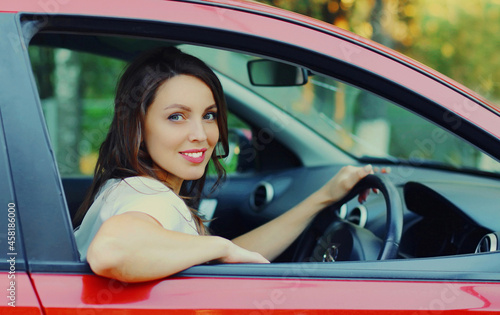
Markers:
point(194, 156)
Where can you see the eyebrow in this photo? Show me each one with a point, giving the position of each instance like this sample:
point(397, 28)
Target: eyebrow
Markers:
point(188, 109)
point(213, 106)
point(180, 106)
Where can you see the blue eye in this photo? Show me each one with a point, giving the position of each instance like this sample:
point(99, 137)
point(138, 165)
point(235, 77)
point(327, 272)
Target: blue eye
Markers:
point(175, 117)
point(210, 116)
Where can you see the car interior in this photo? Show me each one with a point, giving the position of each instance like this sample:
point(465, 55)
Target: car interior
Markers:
point(291, 129)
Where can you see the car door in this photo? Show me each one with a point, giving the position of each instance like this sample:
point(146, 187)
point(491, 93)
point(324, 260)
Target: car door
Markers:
point(64, 284)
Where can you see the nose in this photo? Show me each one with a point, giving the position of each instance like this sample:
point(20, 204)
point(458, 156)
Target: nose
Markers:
point(197, 131)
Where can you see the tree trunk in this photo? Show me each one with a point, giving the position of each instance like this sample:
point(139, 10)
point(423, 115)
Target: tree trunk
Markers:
point(67, 95)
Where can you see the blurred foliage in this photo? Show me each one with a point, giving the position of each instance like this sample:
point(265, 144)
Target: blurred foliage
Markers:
point(96, 82)
point(458, 38)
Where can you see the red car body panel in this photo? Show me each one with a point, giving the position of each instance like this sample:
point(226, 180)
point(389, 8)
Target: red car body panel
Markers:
point(18, 285)
point(61, 293)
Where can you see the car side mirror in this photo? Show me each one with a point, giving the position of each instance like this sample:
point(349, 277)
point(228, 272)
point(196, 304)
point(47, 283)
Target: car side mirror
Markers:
point(263, 72)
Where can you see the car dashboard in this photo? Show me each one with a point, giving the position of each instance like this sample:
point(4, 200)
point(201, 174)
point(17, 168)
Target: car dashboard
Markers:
point(447, 222)
point(445, 212)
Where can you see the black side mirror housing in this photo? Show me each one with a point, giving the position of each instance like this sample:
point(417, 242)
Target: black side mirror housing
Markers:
point(264, 72)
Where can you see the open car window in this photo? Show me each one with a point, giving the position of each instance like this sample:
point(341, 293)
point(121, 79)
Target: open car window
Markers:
point(77, 91)
point(77, 85)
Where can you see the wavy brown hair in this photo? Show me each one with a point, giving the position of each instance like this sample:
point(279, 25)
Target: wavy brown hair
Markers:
point(123, 153)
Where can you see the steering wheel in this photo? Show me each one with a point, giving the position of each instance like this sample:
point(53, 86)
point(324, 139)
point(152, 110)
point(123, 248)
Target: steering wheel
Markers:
point(329, 238)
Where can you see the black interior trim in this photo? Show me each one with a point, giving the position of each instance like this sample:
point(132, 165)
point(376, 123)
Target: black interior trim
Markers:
point(75, 189)
point(61, 267)
point(474, 267)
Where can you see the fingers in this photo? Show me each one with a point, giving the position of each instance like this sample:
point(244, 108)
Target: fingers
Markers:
point(238, 254)
point(345, 180)
point(368, 169)
point(259, 259)
point(362, 196)
point(252, 258)
point(355, 174)
point(363, 171)
point(383, 170)
point(371, 170)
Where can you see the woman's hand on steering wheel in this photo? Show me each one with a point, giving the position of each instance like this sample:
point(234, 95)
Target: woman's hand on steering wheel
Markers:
point(348, 176)
point(357, 243)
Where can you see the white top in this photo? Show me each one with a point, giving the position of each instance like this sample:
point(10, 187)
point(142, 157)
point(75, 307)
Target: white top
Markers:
point(140, 194)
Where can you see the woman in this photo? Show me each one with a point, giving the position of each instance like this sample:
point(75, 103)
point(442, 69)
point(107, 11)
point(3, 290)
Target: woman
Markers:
point(170, 114)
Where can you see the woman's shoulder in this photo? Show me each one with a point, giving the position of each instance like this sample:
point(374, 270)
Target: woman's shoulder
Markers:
point(144, 189)
point(144, 185)
point(116, 189)
point(132, 185)
point(150, 196)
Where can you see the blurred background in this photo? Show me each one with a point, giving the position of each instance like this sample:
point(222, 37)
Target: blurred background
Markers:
point(459, 38)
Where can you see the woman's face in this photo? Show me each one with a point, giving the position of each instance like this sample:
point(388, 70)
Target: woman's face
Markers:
point(181, 128)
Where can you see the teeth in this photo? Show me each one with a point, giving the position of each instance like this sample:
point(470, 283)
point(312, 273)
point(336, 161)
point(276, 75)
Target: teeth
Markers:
point(194, 155)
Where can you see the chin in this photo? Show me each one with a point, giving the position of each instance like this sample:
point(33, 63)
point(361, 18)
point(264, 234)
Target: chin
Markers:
point(194, 176)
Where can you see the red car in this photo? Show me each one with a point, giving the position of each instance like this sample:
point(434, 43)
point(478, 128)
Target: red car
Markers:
point(305, 98)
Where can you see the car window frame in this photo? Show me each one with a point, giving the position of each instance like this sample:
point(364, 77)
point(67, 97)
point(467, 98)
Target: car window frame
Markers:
point(40, 261)
point(12, 258)
point(34, 176)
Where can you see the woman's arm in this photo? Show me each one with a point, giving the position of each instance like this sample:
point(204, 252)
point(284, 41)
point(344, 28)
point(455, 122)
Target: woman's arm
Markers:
point(134, 247)
point(272, 238)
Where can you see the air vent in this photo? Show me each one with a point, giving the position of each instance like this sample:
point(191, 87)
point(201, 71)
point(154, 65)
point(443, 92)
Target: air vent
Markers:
point(489, 243)
point(261, 196)
point(358, 216)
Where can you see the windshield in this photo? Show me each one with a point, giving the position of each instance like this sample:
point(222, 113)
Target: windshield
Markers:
point(360, 123)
